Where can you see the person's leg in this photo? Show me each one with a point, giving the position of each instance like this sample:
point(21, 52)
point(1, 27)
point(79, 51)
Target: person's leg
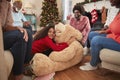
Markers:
point(14, 41)
point(29, 55)
point(86, 48)
point(29, 28)
point(88, 43)
point(97, 44)
point(91, 35)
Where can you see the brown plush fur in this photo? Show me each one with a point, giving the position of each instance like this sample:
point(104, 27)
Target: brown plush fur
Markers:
point(67, 34)
point(60, 60)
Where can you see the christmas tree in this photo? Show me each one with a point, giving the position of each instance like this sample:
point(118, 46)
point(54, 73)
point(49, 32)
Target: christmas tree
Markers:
point(49, 13)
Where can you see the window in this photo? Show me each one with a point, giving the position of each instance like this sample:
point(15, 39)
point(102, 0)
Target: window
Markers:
point(67, 8)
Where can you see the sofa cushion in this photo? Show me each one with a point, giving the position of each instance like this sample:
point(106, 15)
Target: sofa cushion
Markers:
point(110, 56)
point(9, 60)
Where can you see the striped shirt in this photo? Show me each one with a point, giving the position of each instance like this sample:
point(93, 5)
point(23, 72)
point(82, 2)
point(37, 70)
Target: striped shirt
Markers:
point(83, 25)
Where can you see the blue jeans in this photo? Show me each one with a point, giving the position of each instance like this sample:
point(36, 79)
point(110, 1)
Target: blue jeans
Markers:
point(91, 35)
point(98, 42)
point(20, 49)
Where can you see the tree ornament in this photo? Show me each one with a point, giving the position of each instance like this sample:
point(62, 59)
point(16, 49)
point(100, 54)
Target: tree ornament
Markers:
point(94, 15)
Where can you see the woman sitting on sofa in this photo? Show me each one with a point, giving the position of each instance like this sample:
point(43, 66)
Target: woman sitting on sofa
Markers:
point(109, 39)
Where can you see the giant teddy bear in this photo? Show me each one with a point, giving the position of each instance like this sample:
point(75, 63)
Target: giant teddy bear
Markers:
point(60, 60)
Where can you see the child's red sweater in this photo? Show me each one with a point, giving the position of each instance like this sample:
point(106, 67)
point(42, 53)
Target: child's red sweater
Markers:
point(47, 43)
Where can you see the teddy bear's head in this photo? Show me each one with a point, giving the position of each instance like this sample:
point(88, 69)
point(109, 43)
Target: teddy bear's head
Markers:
point(65, 32)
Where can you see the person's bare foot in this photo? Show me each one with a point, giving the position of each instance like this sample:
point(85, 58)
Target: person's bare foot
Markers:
point(18, 77)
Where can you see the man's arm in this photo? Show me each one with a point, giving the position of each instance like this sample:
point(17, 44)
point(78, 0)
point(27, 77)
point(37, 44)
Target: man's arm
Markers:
point(24, 20)
point(9, 26)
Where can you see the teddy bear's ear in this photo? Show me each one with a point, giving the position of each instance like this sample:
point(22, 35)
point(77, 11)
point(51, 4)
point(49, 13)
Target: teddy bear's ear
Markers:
point(73, 32)
point(60, 27)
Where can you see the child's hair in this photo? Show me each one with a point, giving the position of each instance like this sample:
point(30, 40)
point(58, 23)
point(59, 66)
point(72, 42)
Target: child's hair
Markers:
point(44, 32)
point(80, 8)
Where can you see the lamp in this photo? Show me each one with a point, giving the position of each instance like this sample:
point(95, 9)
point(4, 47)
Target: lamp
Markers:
point(28, 5)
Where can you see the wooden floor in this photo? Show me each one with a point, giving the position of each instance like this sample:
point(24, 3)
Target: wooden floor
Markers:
point(74, 73)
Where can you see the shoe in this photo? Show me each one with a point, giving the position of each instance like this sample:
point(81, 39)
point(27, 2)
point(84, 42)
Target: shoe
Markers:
point(87, 63)
point(86, 50)
point(88, 67)
point(28, 71)
point(99, 64)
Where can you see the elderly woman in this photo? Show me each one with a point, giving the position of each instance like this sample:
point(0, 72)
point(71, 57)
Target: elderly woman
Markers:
point(110, 39)
point(80, 22)
point(17, 39)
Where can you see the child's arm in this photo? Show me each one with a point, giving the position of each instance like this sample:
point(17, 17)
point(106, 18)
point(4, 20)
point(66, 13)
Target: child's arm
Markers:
point(54, 46)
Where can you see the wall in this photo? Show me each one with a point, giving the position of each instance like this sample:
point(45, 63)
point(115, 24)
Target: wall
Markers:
point(76, 1)
point(90, 6)
point(98, 5)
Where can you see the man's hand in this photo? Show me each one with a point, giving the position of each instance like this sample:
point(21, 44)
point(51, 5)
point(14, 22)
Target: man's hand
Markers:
point(26, 23)
point(22, 30)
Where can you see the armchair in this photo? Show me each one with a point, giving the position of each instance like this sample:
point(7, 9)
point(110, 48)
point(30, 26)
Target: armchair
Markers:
point(110, 59)
point(6, 60)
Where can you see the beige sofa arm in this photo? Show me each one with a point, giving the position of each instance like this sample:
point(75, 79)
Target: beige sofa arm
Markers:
point(3, 67)
point(110, 59)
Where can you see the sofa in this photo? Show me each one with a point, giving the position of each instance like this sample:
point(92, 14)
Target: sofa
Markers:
point(6, 60)
point(110, 59)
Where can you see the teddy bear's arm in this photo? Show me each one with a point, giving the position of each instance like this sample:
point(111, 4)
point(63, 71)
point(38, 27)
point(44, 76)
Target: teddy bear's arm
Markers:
point(66, 54)
point(41, 64)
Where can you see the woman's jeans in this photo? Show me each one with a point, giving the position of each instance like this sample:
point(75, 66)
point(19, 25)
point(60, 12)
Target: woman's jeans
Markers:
point(13, 40)
point(98, 42)
point(92, 34)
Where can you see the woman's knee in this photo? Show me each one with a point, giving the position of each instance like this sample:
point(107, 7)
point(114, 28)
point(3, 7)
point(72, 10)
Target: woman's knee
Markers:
point(92, 34)
point(97, 40)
